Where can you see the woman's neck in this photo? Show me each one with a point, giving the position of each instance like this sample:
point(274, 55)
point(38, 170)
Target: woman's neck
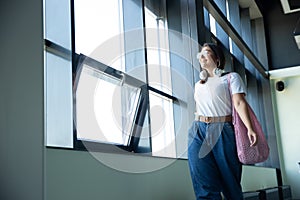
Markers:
point(210, 71)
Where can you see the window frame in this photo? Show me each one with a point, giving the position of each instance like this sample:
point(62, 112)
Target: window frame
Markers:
point(143, 106)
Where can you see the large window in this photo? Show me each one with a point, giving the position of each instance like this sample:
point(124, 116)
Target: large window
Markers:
point(120, 92)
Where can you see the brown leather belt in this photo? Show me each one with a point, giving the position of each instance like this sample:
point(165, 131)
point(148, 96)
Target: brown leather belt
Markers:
point(213, 119)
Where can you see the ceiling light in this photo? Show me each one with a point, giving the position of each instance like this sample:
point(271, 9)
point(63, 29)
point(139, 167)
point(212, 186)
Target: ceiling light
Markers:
point(290, 6)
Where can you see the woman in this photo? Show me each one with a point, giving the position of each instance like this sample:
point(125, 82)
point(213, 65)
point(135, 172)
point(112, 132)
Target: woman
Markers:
point(213, 161)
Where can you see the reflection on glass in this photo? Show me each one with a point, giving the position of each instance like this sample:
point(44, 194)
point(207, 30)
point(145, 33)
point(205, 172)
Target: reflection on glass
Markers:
point(105, 107)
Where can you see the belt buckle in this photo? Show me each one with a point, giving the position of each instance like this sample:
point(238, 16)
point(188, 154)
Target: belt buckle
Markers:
point(208, 119)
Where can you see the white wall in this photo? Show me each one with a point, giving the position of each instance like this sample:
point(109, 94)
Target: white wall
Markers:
point(287, 110)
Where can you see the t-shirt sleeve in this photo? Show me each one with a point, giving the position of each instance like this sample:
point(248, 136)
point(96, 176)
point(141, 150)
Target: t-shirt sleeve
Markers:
point(237, 84)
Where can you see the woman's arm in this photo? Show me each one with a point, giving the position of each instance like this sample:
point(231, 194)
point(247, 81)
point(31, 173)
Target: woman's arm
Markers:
point(240, 104)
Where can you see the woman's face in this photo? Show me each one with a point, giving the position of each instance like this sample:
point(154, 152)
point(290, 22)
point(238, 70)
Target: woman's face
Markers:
point(207, 58)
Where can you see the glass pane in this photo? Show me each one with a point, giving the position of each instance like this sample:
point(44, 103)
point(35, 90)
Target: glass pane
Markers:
point(58, 22)
point(59, 100)
point(98, 25)
point(157, 42)
point(144, 141)
point(227, 11)
point(162, 126)
point(105, 107)
point(213, 27)
point(230, 45)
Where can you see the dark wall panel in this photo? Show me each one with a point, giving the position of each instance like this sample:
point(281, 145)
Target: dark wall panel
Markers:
point(283, 51)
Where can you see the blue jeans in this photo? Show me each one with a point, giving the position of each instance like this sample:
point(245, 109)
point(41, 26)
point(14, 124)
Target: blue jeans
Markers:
point(213, 162)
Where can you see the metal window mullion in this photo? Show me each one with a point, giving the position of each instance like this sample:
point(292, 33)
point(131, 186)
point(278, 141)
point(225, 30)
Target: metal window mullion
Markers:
point(146, 73)
point(229, 29)
point(221, 34)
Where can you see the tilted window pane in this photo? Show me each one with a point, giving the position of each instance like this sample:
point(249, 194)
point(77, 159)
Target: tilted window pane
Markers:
point(105, 107)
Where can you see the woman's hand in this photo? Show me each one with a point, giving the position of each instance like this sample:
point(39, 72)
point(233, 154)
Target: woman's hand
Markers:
point(252, 138)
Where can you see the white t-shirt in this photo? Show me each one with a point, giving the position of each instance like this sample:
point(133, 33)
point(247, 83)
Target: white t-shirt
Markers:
point(213, 97)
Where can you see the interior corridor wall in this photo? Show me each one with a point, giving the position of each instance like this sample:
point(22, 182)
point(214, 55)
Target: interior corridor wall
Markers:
point(78, 175)
point(286, 108)
point(21, 100)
